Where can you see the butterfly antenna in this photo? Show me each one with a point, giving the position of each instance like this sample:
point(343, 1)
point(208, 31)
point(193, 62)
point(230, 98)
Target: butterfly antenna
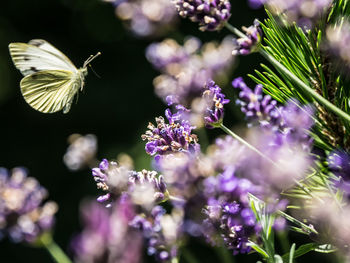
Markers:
point(91, 58)
point(94, 71)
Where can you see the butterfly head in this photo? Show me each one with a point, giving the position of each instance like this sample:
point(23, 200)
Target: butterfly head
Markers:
point(88, 61)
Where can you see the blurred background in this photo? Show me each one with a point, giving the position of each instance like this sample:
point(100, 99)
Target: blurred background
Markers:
point(116, 107)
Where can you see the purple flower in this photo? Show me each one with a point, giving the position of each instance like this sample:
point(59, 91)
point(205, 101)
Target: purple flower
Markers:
point(112, 179)
point(161, 232)
point(165, 53)
point(183, 172)
point(241, 170)
point(81, 151)
point(172, 137)
point(115, 180)
point(289, 123)
point(211, 15)
point(297, 120)
point(145, 17)
point(255, 4)
point(229, 218)
point(148, 179)
point(285, 160)
point(186, 68)
point(23, 216)
point(256, 106)
point(227, 152)
point(215, 101)
point(250, 43)
point(339, 164)
point(286, 149)
point(106, 236)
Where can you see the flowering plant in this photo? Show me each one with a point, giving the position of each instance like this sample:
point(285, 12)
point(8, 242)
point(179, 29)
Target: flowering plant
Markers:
point(243, 192)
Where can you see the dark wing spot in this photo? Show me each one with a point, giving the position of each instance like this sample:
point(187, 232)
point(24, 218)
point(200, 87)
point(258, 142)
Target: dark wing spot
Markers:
point(34, 69)
point(36, 43)
point(26, 58)
point(34, 76)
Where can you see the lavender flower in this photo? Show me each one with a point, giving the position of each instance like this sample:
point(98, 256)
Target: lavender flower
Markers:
point(283, 138)
point(23, 216)
point(211, 15)
point(256, 106)
point(286, 148)
point(227, 152)
point(167, 138)
point(229, 218)
point(237, 163)
point(161, 231)
point(141, 191)
point(250, 43)
point(147, 187)
point(184, 171)
point(255, 4)
point(289, 122)
point(81, 151)
point(106, 236)
point(146, 17)
point(296, 122)
point(285, 162)
point(339, 164)
point(215, 101)
point(168, 52)
point(144, 187)
point(186, 68)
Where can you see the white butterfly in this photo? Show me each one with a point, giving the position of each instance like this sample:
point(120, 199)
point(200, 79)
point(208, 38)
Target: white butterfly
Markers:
point(50, 79)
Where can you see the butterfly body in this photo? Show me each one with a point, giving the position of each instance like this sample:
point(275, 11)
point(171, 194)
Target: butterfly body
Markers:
point(50, 79)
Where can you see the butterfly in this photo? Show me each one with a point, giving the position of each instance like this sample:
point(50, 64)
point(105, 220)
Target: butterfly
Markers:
point(50, 79)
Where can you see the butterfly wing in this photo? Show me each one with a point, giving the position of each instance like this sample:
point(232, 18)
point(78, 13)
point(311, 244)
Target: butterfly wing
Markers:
point(49, 91)
point(38, 55)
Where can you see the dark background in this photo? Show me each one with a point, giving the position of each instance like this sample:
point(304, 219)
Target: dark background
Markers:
point(116, 107)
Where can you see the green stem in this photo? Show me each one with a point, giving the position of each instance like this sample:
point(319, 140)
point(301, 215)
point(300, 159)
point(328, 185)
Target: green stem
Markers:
point(297, 222)
point(283, 238)
point(188, 256)
point(55, 251)
point(234, 30)
point(245, 143)
point(203, 136)
point(305, 87)
point(224, 254)
point(311, 92)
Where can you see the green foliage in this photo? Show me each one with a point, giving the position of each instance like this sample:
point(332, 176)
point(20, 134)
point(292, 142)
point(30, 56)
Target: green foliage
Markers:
point(267, 250)
point(266, 220)
point(306, 248)
point(303, 54)
point(291, 253)
point(339, 8)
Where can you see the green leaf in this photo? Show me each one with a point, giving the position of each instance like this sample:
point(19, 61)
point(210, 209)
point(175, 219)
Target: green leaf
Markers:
point(306, 248)
point(302, 70)
point(305, 228)
point(278, 259)
point(299, 230)
point(258, 249)
point(291, 253)
point(302, 250)
point(326, 248)
point(266, 221)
